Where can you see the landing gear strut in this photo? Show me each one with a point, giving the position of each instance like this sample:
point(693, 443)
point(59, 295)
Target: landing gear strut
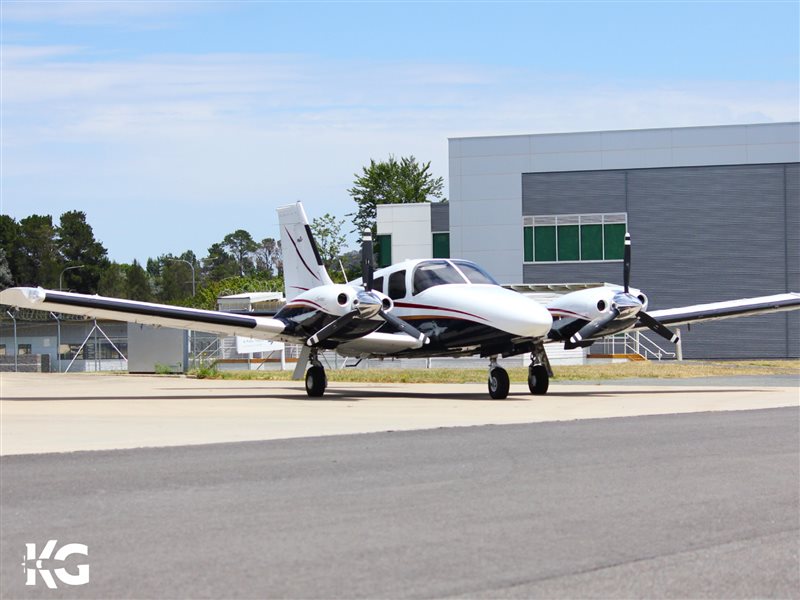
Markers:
point(316, 380)
point(498, 380)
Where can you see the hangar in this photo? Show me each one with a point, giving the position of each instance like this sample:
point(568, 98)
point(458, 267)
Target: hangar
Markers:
point(714, 214)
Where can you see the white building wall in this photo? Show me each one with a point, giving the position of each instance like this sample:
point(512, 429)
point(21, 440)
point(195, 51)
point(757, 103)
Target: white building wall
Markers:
point(486, 183)
point(410, 228)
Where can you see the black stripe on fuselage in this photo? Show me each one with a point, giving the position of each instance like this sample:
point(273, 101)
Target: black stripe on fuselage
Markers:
point(179, 314)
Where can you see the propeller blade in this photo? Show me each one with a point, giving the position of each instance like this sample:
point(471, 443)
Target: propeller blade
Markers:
point(366, 259)
point(593, 327)
point(626, 263)
point(398, 323)
point(331, 328)
point(659, 328)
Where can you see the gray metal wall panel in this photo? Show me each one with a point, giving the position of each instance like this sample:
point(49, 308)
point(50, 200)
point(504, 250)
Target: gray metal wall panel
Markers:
point(793, 255)
point(573, 193)
point(700, 234)
point(440, 216)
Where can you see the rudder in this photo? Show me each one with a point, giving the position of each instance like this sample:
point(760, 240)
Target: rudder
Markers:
point(303, 268)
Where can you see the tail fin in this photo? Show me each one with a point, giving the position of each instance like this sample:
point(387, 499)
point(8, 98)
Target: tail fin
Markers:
point(302, 265)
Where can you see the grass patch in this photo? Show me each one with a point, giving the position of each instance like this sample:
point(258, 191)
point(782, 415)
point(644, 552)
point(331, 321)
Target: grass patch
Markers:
point(632, 370)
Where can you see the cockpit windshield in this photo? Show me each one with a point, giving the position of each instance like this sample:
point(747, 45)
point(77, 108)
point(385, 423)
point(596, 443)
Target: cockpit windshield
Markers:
point(435, 272)
point(474, 273)
point(441, 272)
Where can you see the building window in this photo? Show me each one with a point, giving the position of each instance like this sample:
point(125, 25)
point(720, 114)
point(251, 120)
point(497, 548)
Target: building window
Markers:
point(383, 245)
point(571, 238)
point(441, 245)
point(24, 349)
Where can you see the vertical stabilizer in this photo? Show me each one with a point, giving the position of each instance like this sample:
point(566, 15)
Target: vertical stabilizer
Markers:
point(302, 265)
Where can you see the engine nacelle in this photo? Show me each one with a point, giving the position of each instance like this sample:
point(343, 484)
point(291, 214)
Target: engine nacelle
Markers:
point(590, 304)
point(340, 299)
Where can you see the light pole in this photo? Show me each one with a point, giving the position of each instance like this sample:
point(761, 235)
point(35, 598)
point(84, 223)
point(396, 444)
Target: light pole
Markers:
point(60, 286)
point(190, 349)
point(191, 266)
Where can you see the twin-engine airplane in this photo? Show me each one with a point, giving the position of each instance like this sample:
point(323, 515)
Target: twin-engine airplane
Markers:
point(418, 308)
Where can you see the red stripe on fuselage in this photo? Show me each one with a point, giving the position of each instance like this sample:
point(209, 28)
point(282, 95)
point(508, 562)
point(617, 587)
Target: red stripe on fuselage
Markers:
point(567, 313)
point(428, 307)
point(304, 301)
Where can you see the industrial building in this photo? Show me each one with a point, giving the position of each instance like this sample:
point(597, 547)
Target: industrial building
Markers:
point(714, 214)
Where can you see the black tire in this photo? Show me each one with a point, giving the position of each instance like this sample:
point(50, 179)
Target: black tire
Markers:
point(498, 383)
point(316, 382)
point(538, 380)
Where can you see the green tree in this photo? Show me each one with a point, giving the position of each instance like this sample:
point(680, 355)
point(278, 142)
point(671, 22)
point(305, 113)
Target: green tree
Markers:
point(113, 281)
point(9, 242)
point(330, 240)
point(392, 182)
point(172, 277)
point(269, 257)
point(241, 245)
point(137, 283)
point(208, 293)
point(6, 279)
point(36, 259)
point(78, 246)
point(219, 264)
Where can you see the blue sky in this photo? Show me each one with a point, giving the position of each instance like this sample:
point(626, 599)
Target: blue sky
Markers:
point(172, 124)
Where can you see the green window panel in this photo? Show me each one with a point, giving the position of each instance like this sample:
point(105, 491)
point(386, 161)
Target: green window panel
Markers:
point(528, 244)
point(614, 237)
point(545, 244)
point(384, 250)
point(441, 245)
point(568, 248)
point(591, 242)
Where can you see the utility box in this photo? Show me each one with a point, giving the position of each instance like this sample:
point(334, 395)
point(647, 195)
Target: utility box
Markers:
point(157, 349)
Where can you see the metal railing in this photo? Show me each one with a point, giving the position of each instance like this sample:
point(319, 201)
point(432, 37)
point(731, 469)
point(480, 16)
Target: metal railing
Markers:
point(632, 343)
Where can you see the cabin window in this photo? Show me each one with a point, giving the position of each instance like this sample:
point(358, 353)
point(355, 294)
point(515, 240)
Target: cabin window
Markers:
point(397, 285)
point(435, 272)
point(574, 238)
point(474, 273)
point(377, 284)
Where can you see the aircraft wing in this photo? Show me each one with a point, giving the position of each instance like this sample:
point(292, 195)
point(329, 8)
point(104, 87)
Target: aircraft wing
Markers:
point(725, 310)
point(145, 313)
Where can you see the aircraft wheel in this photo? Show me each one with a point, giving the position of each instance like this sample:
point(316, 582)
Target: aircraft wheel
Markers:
point(316, 381)
point(538, 380)
point(498, 383)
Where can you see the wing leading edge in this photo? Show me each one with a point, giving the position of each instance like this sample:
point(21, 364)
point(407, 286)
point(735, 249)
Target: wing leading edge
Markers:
point(144, 313)
point(715, 311)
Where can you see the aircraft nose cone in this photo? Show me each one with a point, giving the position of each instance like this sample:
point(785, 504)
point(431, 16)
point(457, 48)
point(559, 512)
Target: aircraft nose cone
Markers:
point(538, 322)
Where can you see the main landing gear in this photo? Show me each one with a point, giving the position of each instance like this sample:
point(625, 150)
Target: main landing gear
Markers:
point(538, 375)
point(538, 380)
point(316, 380)
point(498, 380)
point(539, 371)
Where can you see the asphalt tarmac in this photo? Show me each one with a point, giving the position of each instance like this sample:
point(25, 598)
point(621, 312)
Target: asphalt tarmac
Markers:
point(701, 505)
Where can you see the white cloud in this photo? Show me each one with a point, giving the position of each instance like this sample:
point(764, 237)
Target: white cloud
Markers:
point(163, 133)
